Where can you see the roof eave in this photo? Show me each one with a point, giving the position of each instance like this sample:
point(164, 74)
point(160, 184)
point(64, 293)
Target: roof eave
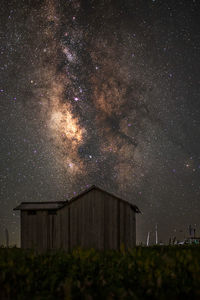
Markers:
point(20, 207)
point(136, 209)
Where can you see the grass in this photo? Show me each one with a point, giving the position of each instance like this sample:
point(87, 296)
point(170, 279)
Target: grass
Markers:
point(159, 272)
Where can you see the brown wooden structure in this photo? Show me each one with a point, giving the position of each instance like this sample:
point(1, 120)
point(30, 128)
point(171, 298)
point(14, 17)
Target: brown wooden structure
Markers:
point(94, 218)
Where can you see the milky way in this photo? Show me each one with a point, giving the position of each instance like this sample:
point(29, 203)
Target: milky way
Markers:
point(105, 93)
point(95, 106)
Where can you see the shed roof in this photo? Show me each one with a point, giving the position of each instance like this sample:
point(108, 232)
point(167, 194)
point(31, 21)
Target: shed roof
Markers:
point(40, 205)
point(59, 204)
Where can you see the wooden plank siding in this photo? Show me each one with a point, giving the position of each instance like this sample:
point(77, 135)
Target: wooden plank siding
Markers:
point(110, 222)
point(133, 226)
point(64, 217)
point(96, 219)
point(99, 220)
point(41, 239)
point(58, 230)
point(24, 230)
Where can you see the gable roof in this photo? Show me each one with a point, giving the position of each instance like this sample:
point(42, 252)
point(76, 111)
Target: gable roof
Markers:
point(94, 187)
point(59, 204)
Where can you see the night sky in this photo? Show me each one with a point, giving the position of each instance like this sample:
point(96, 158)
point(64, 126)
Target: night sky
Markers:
point(104, 93)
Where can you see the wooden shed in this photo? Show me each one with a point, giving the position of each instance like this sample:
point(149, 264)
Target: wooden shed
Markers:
point(95, 218)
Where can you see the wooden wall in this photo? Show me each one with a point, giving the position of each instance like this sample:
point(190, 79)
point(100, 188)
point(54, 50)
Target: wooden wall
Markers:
point(38, 231)
point(95, 220)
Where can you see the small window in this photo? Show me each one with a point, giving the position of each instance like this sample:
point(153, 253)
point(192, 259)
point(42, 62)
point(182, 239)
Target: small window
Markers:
point(31, 212)
point(52, 212)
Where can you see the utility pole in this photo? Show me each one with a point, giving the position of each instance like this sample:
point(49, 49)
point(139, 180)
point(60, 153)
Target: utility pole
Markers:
point(7, 237)
point(148, 236)
point(156, 229)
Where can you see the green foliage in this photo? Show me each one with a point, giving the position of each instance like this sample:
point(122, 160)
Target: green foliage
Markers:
point(160, 272)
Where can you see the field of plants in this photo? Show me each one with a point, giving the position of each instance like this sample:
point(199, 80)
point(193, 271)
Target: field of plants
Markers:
point(159, 272)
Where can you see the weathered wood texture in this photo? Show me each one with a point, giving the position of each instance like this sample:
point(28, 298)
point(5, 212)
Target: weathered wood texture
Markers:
point(38, 231)
point(95, 219)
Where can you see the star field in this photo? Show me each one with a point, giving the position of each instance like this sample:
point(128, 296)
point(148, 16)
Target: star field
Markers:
point(104, 93)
